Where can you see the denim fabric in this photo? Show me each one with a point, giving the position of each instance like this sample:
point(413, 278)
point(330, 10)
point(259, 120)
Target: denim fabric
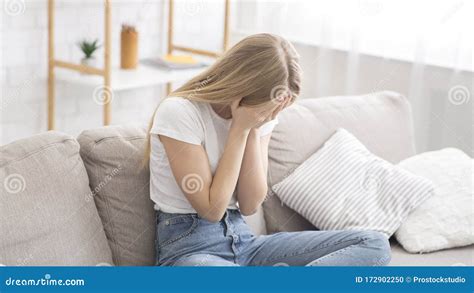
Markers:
point(189, 240)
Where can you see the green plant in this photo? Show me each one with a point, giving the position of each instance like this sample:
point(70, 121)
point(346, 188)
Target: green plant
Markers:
point(88, 47)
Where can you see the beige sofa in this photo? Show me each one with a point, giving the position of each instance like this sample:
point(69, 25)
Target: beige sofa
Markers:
point(86, 201)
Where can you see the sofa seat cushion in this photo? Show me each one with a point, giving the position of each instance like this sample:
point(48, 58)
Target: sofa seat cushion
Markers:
point(119, 182)
point(45, 217)
point(381, 121)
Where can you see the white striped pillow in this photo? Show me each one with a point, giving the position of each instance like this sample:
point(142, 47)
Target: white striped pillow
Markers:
point(344, 186)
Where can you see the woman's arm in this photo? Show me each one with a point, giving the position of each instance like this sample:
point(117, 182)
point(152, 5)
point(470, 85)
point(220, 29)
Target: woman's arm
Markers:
point(210, 195)
point(252, 186)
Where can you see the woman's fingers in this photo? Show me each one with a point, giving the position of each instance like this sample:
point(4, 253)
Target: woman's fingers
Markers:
point(268, 111)
point(235, 104)
point(287, 102)
point(278, 109)
point(281, 107)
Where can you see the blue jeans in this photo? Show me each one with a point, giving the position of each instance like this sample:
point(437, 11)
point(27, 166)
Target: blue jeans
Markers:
point(189, 240)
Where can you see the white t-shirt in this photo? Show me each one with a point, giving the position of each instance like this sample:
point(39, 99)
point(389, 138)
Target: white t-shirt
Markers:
point(191, 122)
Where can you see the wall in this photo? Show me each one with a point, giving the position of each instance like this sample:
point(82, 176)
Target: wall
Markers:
point(24, 63)
point(24, 58)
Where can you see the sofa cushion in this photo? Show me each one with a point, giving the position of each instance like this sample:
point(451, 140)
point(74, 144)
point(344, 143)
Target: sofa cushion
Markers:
point(119, 182)
point(445, 220)
point(381, 121)
point(45, 217)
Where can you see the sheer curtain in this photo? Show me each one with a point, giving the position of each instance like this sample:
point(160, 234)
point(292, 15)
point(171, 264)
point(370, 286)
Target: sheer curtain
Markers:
point(433, 31)
point(420, 48)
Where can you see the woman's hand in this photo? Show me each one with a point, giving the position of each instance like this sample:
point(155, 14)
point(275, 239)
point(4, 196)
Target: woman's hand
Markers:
point(246, 118)
point(281, 106)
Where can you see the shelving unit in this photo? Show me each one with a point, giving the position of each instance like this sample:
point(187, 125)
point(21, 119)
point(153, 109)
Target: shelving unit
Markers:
point(120, 79)
point(116, 79)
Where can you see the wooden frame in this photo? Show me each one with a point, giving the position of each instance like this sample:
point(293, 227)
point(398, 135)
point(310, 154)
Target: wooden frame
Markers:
point(172, 47)
point(53, 63)
point(106, 71)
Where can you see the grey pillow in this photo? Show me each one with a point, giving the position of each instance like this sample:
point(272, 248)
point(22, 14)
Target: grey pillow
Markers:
point(119, 182)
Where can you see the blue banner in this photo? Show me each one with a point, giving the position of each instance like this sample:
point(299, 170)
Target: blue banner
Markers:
point(243, 279)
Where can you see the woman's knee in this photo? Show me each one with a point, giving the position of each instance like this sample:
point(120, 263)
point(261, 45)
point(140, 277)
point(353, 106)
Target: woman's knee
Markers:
point(203, 260)
point(379, 247)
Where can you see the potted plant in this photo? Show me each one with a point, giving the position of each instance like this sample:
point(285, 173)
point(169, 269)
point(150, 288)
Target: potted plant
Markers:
point(88, 48)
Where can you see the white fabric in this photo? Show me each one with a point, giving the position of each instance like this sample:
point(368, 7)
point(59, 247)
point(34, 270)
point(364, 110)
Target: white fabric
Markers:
point(350, 47)
point(370, 27)
point(446, 219)
point(193, 123)
point(344, 186)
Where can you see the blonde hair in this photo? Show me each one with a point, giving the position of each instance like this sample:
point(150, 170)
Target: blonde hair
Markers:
point(259, 68)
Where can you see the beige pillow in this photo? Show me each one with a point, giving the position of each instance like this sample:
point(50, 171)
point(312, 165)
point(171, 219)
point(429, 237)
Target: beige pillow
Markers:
point(120, 187)
point(44, 217)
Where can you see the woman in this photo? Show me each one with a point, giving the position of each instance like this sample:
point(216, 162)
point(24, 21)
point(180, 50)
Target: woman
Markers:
point(209, 144)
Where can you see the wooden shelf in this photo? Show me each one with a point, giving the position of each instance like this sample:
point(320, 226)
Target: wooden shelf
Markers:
point(143, 76)
point(116, 78)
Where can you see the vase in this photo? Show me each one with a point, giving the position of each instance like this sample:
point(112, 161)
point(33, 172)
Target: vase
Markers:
point(91, 61)
point(128, 48)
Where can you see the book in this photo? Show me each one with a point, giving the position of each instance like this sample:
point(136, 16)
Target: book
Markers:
point(171, 62)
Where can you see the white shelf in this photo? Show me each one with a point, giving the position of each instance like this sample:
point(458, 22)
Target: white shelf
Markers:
point(121, 79)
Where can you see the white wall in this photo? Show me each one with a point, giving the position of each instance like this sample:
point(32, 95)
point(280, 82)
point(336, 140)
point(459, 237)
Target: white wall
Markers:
point(24, 58)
